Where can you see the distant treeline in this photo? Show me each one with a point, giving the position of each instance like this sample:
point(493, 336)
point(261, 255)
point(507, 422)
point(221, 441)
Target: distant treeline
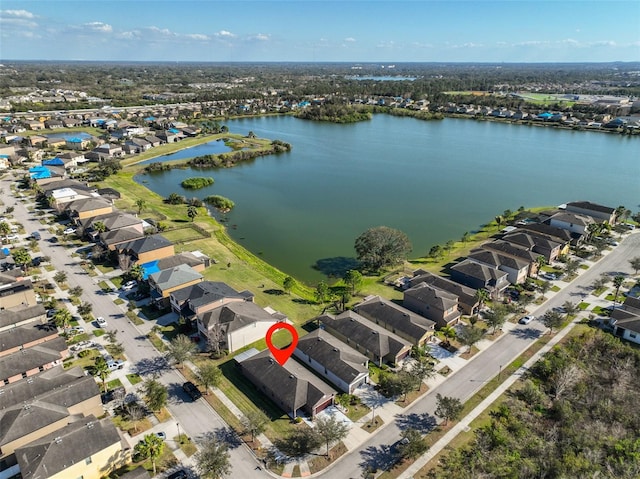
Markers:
point(334, 113)
point(226, 160)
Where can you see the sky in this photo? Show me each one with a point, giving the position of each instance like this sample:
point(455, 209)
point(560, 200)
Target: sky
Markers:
point(321, 31)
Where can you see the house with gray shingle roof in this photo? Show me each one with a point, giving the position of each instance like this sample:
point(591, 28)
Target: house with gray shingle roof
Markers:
point(467, 301)
point(432, 303)
point(341, 365)
point(513, 251)
point(598, 212)
point(572, 222)
point(24, 315)
point(164, 282)
point(86, 448)
point(292, 387)
point(405, 323)
point(237, 324)
point(205, 296)
point(626, 320)
point(33, 360)
point(112, 238)
point(476, 275)
point(538, 244)
point(147, 249)
point(26, 336)
point(366, 337)
point(515, 268)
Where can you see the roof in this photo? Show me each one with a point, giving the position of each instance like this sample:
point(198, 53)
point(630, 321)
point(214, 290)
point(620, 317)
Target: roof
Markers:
point(146, 244)
point(342, 360)
point(548, 230)
point(364, 333)
point(530, 239)
point(65, 447)
point(88, 204)
point(573, 218)
point(172, 277)
point(65, 193)
point(120, 235)
point(465, 294)
point(8, 317)
point(207, 292)
point(431, 295)
point(236, 315)
point(66, 183)
point(510, 249)
point(26, 334)
point(632, 304)
point(587, 205)
point(292, 385)
point(495, 259)
point(48, 395)
point(380, 310)
point(32, 357)
point(477, 270)
point(186, 257)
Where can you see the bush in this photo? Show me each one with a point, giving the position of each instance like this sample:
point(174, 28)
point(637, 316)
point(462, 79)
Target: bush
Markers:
point(196, 183)
point(84, 354)
point(220, 202)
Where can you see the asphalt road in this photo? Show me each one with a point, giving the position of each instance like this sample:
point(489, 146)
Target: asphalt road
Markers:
point(198, 419)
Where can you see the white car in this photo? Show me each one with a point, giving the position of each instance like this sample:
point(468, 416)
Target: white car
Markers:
point(117, 364)
point(69, 231)
point(11, 237)
point(526, 319)
point(75, 330)
point(101, 321)
point(129, 285)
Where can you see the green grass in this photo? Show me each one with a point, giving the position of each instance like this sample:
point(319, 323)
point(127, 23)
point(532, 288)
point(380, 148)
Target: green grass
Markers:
point(157, 342)
point(118, 301)
point(98, 332)
point(583, 306)
point(370, 427)
point(584, 266)
point(186, 445)
point(134, 379)
point(116, 383)
point(133, 317)
point(105, 287)
point(85, 362)
point(555, 288)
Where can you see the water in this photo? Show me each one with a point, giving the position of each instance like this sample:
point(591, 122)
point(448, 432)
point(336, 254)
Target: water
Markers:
point(67, 136)
point(433, 180)
point(211, 148)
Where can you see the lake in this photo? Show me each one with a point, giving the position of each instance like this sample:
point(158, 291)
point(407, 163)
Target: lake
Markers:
point(211, 148)
point(434, 180)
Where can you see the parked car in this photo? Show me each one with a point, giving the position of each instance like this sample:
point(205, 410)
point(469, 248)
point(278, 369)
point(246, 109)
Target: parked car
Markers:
point(129, 285)
point(192, 390)
point(36, 236)
point(526, 319)
point(161, 435)
point(559, 309)
point(69, 231)
point(51, 313)
point(101, 322)
point(181, 474)
point(36, 261)
point(550, 276)
point(115, 364)
point(53, 239)
point(11, 237)
point(75, 330)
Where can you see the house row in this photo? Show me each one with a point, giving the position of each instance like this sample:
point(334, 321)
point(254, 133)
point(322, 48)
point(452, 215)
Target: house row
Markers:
point(626, 320)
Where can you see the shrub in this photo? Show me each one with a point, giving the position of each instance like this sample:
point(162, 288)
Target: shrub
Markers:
point(196, 183)
point(220, 202)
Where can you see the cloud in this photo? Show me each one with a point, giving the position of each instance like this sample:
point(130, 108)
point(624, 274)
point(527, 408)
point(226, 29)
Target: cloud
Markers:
point(98, 27)
point(163, 32)
point(17, 13)
point(129, 35)
point(350, 39)
point(18, 18)
point(197, 36)
point(225, 33)
point(261, 37)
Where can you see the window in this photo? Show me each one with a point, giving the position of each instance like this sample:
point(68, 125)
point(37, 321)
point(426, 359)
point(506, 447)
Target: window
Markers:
point(24, 375)
point(88, 460)
point(632, 335)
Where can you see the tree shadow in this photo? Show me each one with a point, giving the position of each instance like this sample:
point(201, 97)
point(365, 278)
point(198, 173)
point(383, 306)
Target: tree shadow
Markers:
point(310, 326)
point(526, 333)
point(337, 266)
point(424, 422)
point(274, 292)
point(151, 366)
point(377, 458)
point(227, 436)
point(303, 301)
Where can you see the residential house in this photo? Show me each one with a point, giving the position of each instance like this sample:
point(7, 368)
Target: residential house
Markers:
point(153, 141)
point(198, 261)
point(88, 448)
point(164, 282)
point(26, 336)
point(17, 294)
point(515, 268)
point(572, 222)
point(56, 142)
point(364, 336)
point(21, 316)
point(563, 237)
point(237, 324)
point(478, 276)
point(414, 328)
point(205, 296)
point(147, 249)
point(44, 403)
point(33, 360)
point(599, 212)
point(514, 251)
point(538, 244)
point(113, 238)
point(71, 122)
point(292, 387)
point(105, 151)
point(626, 320)
point(467, 301)
point(60, 198)
point(78, 143)
point(433, 303)
point(112, 222)
point(341, 365)
point(87, 207)
point(136, 145)
point(34, 125)
point(65, 183)
point(53, 124)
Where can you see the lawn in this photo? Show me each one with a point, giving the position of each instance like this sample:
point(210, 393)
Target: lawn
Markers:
point(319, 463)
point(134, 379)
point(372, 426)
point(583, 306)
point(183, 234)
point(85, 362)
point(116, 383)
point(187, 446)
point(98, 332)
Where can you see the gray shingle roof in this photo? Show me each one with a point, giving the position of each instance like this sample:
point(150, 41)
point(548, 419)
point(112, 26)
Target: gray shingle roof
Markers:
point(510, 249)
point(172, 277)
point(493, 258)
point(342, 360)
point(380, 310)
point(87, 204)
point(477, 270)
point(464, 293)
point(363, 332)
point(28, 333)
point(236, 315)
point(207, 292)
point(587, 205)
point(186, 257)
point(573, 218)
point(146, 244)
point(428, 294)
point(292, 386)
point(555, 234)
point(65, 447)
point(120, 235)
point(31, 358)
point(8, 317)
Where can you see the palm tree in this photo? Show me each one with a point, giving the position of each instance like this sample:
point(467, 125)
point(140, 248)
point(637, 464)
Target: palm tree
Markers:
point(99, 227)
point(152, 447)
point(540, 262)
point(102, 371)
point(141, 204)
point(482, 296)
point(192, 212)
point(617, 282)
point(62, 318)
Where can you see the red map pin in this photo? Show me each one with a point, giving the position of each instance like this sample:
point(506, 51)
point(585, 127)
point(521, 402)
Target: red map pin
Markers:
point(282, 355)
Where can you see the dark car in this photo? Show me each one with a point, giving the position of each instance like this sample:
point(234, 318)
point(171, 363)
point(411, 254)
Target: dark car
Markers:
point(192, 390)
point(36, 236)
point(36, 261)
point(181, 474)
point(53, 239)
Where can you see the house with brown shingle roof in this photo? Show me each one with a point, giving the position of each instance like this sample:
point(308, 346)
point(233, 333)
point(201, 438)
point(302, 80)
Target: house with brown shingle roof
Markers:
point(467, 301)
point(432, 303)
point(515, 268)
point(598, 212)
point(476, 275)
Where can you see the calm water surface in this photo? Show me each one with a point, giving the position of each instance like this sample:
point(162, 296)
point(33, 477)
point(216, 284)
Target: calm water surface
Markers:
point(433, 180)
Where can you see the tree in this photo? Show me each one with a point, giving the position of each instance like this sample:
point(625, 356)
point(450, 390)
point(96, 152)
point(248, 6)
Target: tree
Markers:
point(329, 429)
point(209, 375)
point(5, 229)
point(436, 252)
point(465, 237)
point(469, 335)
point(353, 278)
point(141, 204)
point(101, 370)
point(99, 227)
point(635, 264)
point(617, 283)
point(181, 349)
point(481, 296)
point(570, 308)
point(155, 394)
point(448, 408)
point(255, 423)
point(76, 291)
point(412, 444)
point(174, 199)
point(421, 369)
point(62, 318)
point(497, 317)
point(60, 277)
point(552, 320)
point(448, 246)
point(322, 293)
point(571, 266)
point(192, 212)
point(545, 286)
point(288, 283)
point(85, 309)
point(540, 262)
point(151, 447)
point(136, 272)
point(116, 348)
point(135, 413)
point(449, 332)
point(382, 246)
point(21, 257)
point(212, 461)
